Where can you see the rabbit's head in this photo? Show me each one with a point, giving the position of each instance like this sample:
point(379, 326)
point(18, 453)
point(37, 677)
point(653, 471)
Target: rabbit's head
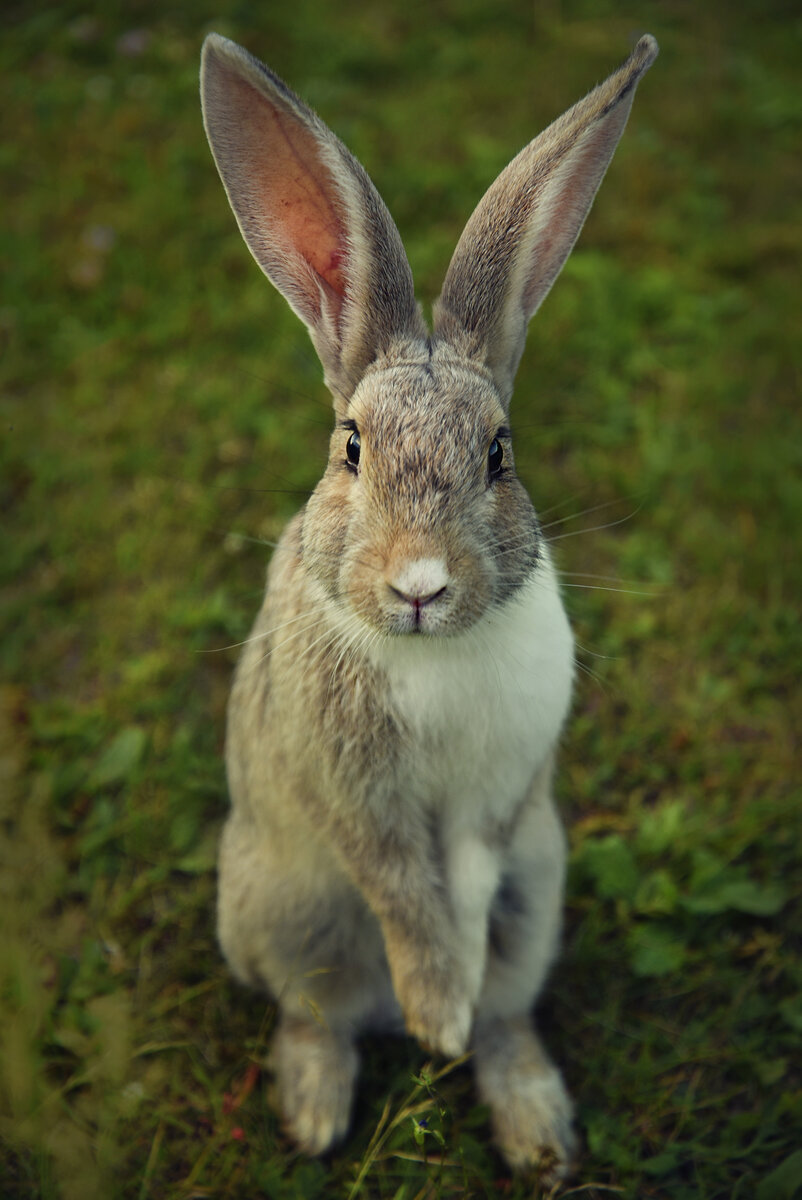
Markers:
point(419, 524)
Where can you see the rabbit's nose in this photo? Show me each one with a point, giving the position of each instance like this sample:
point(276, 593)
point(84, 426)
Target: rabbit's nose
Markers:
point(419, 582)
point(417, 601)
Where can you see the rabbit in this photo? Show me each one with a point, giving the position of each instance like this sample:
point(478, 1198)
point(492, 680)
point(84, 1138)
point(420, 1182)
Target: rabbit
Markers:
point(392, 859)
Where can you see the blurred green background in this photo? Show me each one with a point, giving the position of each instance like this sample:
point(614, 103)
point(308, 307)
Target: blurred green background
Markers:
point(163, 416)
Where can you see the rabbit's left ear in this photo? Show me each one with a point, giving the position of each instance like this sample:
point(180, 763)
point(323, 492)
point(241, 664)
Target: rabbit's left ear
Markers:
point(309, 213)
point(524, 228)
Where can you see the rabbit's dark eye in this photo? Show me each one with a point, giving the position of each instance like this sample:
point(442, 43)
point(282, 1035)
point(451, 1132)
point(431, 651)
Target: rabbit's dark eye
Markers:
point(352, 447)
point(495, 457)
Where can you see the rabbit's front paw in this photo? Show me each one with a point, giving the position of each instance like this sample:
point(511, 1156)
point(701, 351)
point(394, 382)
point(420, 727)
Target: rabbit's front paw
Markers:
point(439, 1015)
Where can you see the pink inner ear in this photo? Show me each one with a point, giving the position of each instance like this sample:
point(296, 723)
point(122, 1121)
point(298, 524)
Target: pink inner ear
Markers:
point(292, 189)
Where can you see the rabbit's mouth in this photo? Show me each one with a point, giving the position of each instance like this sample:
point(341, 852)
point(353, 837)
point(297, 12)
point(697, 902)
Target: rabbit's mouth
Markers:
point(419, 613)
point(438, 613)
point(428, 590)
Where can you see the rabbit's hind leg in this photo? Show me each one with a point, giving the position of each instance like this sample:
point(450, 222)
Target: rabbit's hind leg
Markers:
point(340, 985)
point(294, 926)
point(531, 1111)
point(305, 936)
point(315, 1072)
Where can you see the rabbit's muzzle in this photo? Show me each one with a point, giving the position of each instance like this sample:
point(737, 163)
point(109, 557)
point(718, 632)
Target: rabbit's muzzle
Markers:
point(417, 588)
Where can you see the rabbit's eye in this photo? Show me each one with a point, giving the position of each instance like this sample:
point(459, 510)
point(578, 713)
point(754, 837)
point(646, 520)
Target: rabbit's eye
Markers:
point(495, 457)
point(352, 447)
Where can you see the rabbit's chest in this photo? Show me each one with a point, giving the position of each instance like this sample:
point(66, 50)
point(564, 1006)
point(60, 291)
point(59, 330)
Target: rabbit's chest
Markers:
point(484, 710)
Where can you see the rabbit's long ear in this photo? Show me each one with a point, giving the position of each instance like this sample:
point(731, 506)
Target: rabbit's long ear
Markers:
point(524, 228)
point(310, 215)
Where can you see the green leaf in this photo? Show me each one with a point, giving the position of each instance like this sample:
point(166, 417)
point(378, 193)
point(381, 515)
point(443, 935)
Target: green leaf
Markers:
point(119, 758)
point(654, 950)
point(741, 894)
point(657, 893)
point(660, 829)
point(784, 1182)
point(661, 1164)
point(611, 865)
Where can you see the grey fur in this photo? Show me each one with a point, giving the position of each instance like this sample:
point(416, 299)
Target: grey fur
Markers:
point(393, 858)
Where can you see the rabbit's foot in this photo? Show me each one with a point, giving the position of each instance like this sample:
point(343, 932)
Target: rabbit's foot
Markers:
point(531, 1111)
point(315, 1072)
point(437, 1013)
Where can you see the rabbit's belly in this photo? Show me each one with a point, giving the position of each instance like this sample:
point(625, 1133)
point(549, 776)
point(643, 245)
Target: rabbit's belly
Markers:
point(486, 708)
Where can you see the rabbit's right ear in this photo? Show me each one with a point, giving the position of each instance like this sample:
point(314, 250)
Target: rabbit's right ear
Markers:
point(309, 214)
point(524, 228)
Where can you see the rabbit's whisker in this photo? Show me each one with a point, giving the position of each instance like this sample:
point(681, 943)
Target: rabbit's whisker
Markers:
point(253, 541)
point(595, 528)
point(603, 578)
point(595, 587)
point(595, 653)
point(298, 633)
point(585, 512)
point(591, 674)
point(257, 637)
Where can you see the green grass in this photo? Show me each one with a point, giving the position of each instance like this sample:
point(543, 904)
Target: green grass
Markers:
point(163, 415)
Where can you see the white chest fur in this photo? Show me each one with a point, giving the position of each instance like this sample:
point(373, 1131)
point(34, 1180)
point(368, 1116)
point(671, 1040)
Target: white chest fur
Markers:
point(485, 708)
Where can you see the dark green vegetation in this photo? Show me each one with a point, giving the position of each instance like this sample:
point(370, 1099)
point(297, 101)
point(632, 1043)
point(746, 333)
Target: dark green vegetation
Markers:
point(162, 416)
